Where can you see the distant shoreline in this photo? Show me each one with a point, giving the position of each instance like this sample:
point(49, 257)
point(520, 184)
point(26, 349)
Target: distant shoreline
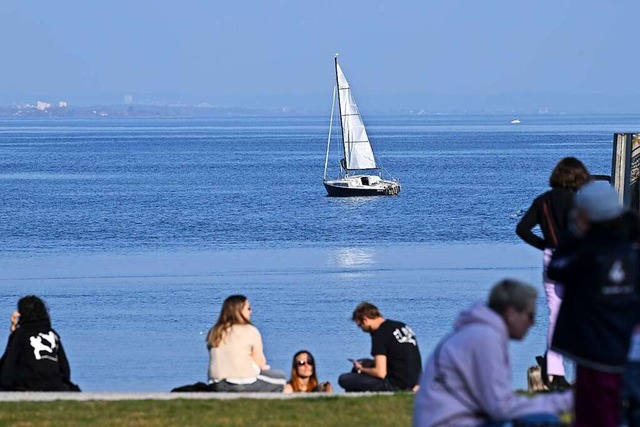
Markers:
point(149, 111)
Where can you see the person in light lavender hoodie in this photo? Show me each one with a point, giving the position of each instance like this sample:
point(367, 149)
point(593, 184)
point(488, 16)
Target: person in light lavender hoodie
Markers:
point(467, 379)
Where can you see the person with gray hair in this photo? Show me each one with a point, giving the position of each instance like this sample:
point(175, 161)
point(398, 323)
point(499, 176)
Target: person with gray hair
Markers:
point(467, 379)
point(511, 293)
point(598, 266)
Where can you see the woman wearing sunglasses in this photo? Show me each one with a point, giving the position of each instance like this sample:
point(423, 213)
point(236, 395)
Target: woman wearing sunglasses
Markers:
point(303, 375)
point(236, 357)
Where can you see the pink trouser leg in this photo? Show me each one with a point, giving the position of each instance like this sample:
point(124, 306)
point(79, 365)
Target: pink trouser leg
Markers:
point(553, 291)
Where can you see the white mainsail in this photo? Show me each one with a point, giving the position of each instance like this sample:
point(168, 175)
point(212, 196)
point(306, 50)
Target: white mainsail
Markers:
point(357, 149)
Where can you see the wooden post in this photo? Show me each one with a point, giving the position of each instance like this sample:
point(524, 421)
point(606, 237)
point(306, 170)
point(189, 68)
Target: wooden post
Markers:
point(625, 168)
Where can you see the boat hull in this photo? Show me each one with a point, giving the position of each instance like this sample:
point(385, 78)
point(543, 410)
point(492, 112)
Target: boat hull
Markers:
point(340, 188)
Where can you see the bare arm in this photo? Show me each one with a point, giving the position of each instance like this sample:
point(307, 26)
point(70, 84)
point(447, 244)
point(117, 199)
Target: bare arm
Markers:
point(378, 371)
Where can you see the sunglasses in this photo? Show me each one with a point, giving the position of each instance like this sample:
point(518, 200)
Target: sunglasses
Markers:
point(304, 362)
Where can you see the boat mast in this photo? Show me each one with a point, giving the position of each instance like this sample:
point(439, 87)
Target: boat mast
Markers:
point(344, 145)
point(326, 158)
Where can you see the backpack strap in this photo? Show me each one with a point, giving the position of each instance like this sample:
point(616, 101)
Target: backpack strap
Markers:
point(552, 226)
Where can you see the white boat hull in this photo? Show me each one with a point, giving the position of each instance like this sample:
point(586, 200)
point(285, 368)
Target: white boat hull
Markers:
point(361, 185)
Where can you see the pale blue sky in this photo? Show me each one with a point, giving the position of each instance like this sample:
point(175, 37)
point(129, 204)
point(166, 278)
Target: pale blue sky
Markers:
point(261, 52)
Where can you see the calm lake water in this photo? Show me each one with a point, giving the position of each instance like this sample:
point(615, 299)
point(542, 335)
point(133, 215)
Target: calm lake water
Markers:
point(134, 231)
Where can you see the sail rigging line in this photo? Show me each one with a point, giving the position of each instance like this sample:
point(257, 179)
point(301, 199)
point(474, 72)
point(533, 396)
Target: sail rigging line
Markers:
point(333, 106)
point(344, 148)
point(383, 173)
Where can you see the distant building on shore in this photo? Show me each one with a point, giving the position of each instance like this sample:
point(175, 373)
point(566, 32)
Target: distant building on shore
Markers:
point(62, 104)
point(128, 99)
point(42, 106)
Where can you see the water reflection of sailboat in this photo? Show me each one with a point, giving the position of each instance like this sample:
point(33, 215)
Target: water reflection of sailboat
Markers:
point(354, 257)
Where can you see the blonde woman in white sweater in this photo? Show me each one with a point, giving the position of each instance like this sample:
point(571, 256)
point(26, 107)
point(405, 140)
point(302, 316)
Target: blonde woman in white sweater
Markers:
point(236, 356)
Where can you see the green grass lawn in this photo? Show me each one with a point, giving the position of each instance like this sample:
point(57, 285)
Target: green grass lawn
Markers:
point(326, 411)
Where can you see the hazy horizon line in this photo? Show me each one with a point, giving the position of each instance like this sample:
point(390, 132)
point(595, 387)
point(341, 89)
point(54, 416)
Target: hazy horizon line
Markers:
point(320, 103)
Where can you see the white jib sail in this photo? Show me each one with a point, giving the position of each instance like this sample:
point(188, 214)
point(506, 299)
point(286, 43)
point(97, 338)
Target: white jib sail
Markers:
point(354, 136)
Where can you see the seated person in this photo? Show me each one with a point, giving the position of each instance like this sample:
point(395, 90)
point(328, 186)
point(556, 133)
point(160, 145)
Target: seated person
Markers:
point(34, 359)
point(236, 358)
point(303, 375)
point(631, 382)
point(467, 379)
point(396, 356)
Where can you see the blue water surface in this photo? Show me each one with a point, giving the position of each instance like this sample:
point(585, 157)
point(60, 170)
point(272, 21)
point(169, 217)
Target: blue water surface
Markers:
point(84, 185)
point(135, 230)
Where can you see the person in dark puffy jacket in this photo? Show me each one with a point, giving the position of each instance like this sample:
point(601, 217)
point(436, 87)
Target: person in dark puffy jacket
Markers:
point(599, 267)
point(631, 382)
point(34, 359)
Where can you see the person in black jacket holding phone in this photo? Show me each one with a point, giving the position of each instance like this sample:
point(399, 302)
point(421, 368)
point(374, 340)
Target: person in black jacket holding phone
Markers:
point(551, 211)
point(34, 359)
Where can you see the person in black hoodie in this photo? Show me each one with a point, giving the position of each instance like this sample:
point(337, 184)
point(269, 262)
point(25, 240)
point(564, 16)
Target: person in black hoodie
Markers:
point(550, 211)
point(34, 359)
point(598, 264)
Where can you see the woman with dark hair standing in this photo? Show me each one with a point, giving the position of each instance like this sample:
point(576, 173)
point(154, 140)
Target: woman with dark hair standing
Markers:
point(551, 212)
point(34, 359)
point(303, 375)
point(236, 357)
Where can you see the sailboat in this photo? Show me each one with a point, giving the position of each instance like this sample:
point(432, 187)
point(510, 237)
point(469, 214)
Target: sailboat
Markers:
point(359, 172)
